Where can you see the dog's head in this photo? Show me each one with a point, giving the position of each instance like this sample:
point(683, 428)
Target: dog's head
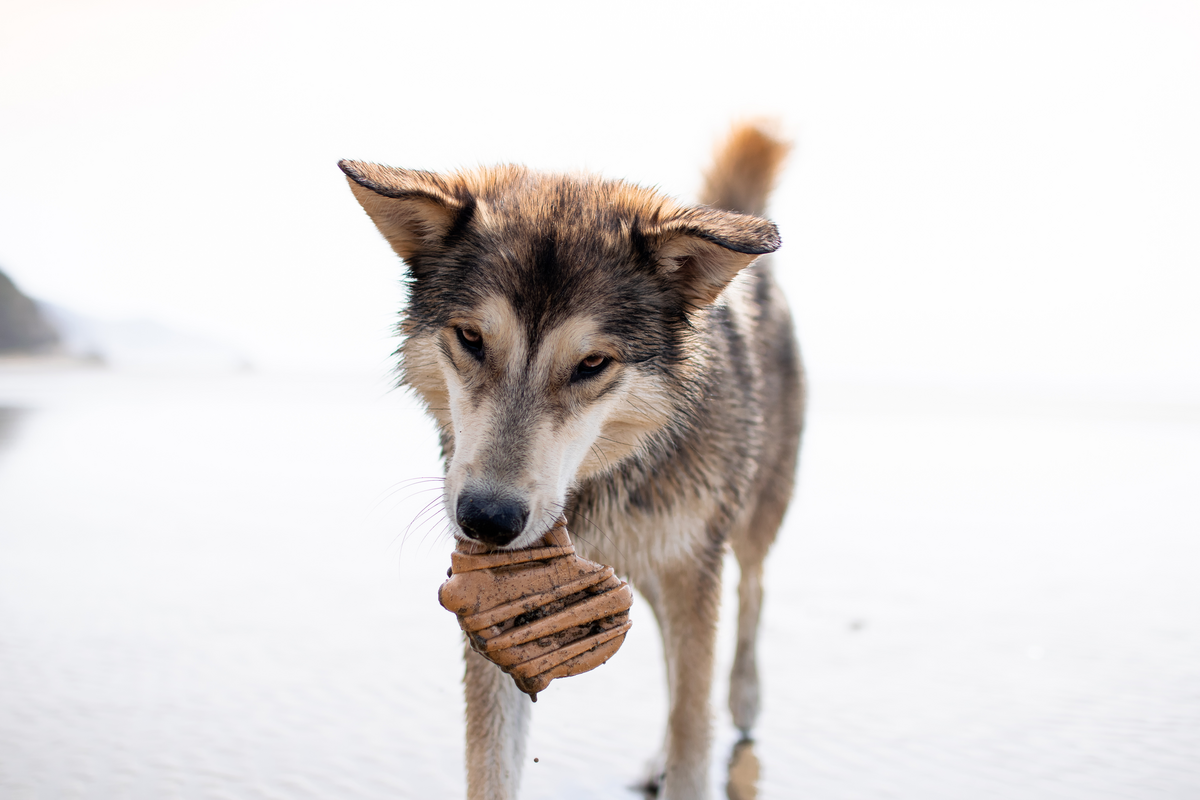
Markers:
point(550, 324)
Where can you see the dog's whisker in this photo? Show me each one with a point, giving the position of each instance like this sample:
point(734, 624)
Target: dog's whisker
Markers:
point(427, 513)
point(410, 495)
point(614, 441)
point(439, 533)
point(391, 492)
point(423, 517)
point(601, 457)
point(435, 527)
point(422, 479)
point(643, 412)
point(559, 509)
point(603, 534)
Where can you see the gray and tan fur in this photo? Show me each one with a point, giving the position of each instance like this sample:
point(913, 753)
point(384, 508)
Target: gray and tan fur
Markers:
point(594, 349)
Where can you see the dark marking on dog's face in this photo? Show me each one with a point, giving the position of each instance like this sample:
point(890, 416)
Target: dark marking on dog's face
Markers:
point(547, 315)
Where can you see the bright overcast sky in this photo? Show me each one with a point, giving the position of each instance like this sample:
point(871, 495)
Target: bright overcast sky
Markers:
point(995, 191)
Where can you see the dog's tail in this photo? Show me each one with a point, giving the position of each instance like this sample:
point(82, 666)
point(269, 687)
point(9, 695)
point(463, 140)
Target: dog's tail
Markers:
point(744, 169)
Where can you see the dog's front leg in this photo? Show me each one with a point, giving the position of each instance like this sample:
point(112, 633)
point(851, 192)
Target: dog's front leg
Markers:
point(688, 606)
point(497, 723)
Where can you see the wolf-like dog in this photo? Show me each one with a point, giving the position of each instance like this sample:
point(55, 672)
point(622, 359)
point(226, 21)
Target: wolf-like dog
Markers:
point(596, 350)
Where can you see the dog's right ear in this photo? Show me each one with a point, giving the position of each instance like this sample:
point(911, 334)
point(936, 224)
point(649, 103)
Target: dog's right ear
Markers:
point(701, 249)
point(413, 210)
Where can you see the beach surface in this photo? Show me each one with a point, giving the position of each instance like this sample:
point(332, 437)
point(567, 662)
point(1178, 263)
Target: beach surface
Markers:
point(225, 587)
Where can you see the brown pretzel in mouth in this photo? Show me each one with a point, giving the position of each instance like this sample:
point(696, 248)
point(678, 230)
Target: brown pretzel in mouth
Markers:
point(540, 613)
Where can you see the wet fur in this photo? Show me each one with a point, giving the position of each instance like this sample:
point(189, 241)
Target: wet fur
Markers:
point(686, 442)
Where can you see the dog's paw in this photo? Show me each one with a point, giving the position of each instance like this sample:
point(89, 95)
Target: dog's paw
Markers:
point(651, 783)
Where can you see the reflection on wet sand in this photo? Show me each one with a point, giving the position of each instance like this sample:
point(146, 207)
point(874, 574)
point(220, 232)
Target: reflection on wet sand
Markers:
point(10, 420)
point(743, 775)
point(743, 772)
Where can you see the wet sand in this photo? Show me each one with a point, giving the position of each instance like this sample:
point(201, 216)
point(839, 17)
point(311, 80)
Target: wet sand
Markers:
point(211, 587)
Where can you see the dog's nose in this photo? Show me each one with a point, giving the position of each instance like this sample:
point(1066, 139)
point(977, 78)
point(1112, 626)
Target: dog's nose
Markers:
point(493, 520)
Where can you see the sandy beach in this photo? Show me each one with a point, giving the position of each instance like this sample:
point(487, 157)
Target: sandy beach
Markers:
point(224, 587)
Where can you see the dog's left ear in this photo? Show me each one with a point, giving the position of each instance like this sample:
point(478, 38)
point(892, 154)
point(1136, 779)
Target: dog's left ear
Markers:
point(703, 248)
point(414, 210)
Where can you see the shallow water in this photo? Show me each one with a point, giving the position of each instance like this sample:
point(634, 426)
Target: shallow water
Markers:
point(210, 587)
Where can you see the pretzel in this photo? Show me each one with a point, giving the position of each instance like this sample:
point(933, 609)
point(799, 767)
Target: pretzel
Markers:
point(540, 613)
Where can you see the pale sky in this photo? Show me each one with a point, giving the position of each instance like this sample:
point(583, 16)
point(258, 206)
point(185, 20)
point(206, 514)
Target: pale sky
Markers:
point(995, 192)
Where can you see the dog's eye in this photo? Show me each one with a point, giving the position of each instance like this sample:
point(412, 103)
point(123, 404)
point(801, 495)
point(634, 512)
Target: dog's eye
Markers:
point(591, 366)
point(471, 340)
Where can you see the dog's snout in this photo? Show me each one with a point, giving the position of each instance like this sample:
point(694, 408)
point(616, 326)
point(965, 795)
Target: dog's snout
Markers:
point(490, 519)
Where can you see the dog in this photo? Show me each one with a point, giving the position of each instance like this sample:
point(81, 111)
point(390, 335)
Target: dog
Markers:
point(595, 350)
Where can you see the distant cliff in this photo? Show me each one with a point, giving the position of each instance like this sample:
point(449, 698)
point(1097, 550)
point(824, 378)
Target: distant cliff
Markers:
point(23, 329)
point(37, 328)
